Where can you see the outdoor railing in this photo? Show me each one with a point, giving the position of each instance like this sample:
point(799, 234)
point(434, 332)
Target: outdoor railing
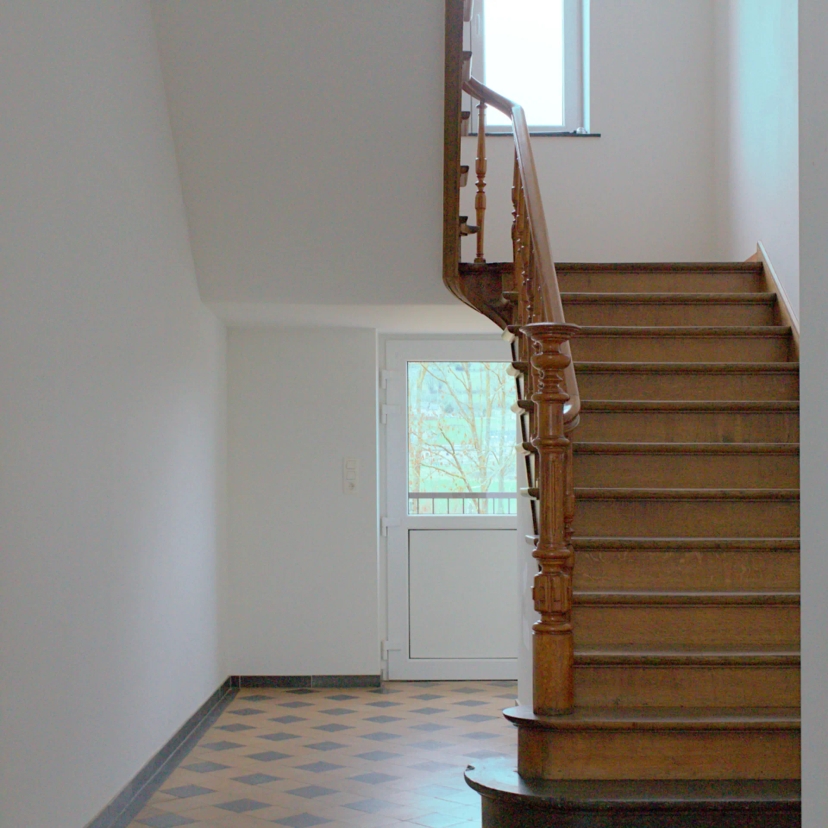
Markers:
point(462, 503)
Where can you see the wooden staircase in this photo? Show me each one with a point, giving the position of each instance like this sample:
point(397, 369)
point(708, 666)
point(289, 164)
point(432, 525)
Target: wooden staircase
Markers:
point(662, 460)
point(685, 603)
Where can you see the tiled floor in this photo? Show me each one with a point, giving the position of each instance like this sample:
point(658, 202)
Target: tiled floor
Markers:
point(393, 756)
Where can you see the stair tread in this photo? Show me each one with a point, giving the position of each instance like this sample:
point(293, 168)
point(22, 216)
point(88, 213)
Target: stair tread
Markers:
point(606, 597)
point(498, 778)
point(677, 656)
point(758, 331)
point(662, 267)
point(596, 447)
point(581, 297)
point(599, 493)
point(689, 367)
point(710, 544)
point(640, 718)
point(661, 718)
point(690, 405)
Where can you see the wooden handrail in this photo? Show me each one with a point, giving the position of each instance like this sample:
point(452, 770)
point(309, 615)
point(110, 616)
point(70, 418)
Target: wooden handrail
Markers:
point(550, 291)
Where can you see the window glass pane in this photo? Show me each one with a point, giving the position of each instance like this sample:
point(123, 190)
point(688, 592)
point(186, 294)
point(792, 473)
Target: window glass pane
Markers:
point(461, 438)
point(524, 57)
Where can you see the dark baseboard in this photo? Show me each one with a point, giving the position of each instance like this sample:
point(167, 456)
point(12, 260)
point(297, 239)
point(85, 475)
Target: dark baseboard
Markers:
point(305, 681)
point(123, 808)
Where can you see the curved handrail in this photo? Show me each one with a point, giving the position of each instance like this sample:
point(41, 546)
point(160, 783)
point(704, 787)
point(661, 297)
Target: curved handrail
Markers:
point(537, 224)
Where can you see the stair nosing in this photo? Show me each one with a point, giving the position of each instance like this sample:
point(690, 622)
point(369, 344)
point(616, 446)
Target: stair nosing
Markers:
point(661, 718)
point(595, 366)
point(631, 795)
point(688, 331)
point(576, 297)
point(659, 267)
point(705, 544)
point(665, 657)
point(681, 598)
point(618, 447)
point(682, 493)
point(691, 405)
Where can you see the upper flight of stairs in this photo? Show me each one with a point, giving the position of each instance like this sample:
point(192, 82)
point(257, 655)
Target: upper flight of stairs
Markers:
point(686, 602)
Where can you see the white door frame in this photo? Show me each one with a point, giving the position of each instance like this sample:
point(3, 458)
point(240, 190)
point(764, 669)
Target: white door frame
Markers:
point(397, 523)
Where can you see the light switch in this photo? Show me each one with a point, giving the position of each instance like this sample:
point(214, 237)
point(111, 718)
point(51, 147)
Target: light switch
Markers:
point(350, 475)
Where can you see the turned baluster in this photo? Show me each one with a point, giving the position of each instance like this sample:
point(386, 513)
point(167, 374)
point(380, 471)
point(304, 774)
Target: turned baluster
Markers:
point(480, 170)
point(552, 592)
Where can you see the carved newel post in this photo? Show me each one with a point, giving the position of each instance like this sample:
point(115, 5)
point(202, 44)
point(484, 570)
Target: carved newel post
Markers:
point(552, 592)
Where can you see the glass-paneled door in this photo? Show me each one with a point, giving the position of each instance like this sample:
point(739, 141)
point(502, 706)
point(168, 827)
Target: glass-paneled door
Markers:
point(449, 509)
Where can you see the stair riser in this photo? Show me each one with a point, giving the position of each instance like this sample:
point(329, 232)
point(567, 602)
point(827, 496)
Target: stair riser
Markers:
point(518, 813)
point(694, 686)
point(680, 314)
point(596, 348)
point(726, 571)
point(689, 427)
point(695, 627)
point(687, 518)
point(659, 282)
point(658, 754)
point(640, 385)
point(691, 470)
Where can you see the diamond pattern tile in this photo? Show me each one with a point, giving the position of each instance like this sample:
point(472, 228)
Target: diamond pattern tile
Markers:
point(205, 767)
point(257, 778)
point(302, 821)
point(416, 783)
point(242, 806)
point(278, 737)
point(320, 767)
point(268, 756)
point(378, 755)
point(186, 791)
point(375, 778)
point(312, 791)
point(166, 821)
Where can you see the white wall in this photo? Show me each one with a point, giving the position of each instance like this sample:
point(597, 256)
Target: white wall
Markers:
point(644, 190)
point(813, 182)
point(757, 134)
point(110, 371)
point(310, 142)
point(303, 555)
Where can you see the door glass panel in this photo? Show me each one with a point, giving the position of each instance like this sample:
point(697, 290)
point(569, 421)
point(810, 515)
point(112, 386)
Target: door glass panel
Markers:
point(461, 438)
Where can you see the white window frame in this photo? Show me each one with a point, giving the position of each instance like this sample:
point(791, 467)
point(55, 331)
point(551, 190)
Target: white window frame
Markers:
point(576, 70)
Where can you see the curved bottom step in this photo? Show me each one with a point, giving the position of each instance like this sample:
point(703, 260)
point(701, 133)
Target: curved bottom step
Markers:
point(508, 801)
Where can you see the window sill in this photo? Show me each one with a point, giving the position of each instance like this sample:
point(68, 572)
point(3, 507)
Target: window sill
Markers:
point(533, 134)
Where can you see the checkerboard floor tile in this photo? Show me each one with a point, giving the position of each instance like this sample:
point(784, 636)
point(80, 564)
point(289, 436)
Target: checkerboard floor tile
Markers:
point(396, 759)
